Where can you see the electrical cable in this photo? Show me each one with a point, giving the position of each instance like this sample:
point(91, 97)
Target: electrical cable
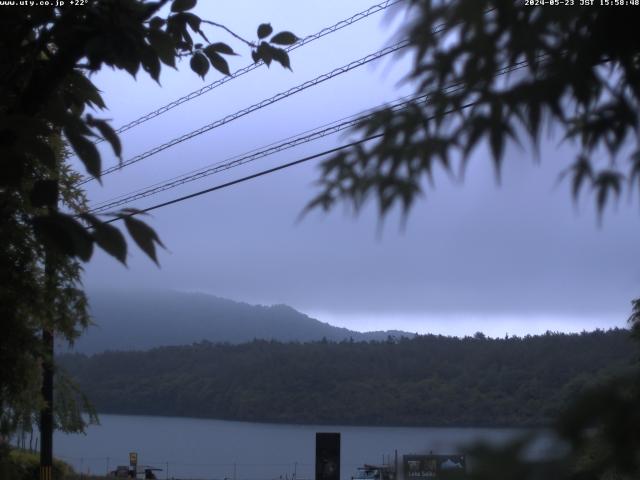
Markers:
point(252, 108)
point(253, 155)
point(276, 147)
point(207, 88)
point(502, 71)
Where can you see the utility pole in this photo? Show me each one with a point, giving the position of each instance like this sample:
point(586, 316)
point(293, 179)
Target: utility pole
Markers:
point(46, 414)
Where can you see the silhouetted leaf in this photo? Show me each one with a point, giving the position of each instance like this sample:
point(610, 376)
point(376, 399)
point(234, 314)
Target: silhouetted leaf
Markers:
point(130, 62)
point(265, 53)
point(86, 89)
point(193, 21)
point(41, 151)
point(217, 61)
point(182, 5)
point(144, 236)
point(284, 38)
point(220, 47)
point(12, 170)
point(151, 63)
point(107, 132)
point(199, 64)
point(65, 234)
point(164, 46)
point(282, 57)
point(86, 151)
point(264, 30)
point(581, 171)
point(634, 174)
point(44, 193)
point(605, 182)
point(157, 22)
point(108, 237)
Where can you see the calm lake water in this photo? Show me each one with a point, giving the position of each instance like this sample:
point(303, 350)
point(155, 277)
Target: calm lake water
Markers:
point(214, 449)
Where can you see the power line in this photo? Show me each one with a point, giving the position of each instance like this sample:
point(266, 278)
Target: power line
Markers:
point(306, 40)
point(261, 173)
point(236, 161)
point(244, 179)
point(253, 108)
point(276, 147)
point(264, 103)
point(503, 71)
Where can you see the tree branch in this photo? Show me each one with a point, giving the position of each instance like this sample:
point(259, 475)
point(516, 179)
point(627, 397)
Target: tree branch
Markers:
point(247, 42)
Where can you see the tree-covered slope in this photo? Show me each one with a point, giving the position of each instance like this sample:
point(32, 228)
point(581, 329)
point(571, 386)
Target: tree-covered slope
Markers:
point(428, 380)
point(141, 320)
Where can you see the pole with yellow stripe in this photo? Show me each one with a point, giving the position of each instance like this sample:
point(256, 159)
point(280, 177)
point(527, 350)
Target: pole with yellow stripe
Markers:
point(46, 473)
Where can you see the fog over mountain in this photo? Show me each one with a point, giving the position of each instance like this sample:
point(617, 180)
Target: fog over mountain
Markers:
point(140, 320)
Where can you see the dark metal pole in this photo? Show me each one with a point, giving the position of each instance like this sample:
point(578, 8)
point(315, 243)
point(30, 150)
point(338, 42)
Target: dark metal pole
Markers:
point(46, 414)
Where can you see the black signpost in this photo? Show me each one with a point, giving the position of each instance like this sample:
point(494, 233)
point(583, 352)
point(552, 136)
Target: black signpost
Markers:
point(327, 456)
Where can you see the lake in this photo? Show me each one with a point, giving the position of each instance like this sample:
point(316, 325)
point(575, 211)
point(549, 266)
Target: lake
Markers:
point(214, 449)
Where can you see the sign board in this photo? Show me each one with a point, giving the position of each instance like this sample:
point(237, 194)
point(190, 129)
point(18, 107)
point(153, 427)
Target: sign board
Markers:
point(434, 467)
point(327, 456)
point(133, 459)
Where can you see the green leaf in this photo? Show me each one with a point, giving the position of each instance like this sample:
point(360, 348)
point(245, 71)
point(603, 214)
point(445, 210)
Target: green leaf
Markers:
point(144, 236)
point(264, 30)
point(182, 5)
point(65, 234)
point(221, 48)
point(164, 46)
point(44, 193)
point(108, 237)
point(108, 133)
point(284, 38)
point(217, 61)
point(199, 64)
point(86, 151)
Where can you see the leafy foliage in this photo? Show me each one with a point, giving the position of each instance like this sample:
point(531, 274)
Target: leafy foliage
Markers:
point(47, 58)
point(18, 464)
point(429, 380)
point(32, 300)
point(578, 73)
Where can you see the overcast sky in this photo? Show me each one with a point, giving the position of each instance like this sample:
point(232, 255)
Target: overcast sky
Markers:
point(519, 258)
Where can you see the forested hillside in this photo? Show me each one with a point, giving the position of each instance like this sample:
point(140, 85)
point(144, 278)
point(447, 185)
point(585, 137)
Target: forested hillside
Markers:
point(140, 320)
point(427, 380)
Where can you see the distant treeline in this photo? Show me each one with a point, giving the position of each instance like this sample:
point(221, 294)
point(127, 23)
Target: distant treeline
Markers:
point(427, 380)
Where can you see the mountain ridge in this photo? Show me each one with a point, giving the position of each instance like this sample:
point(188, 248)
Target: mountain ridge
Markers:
point(145, 319)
